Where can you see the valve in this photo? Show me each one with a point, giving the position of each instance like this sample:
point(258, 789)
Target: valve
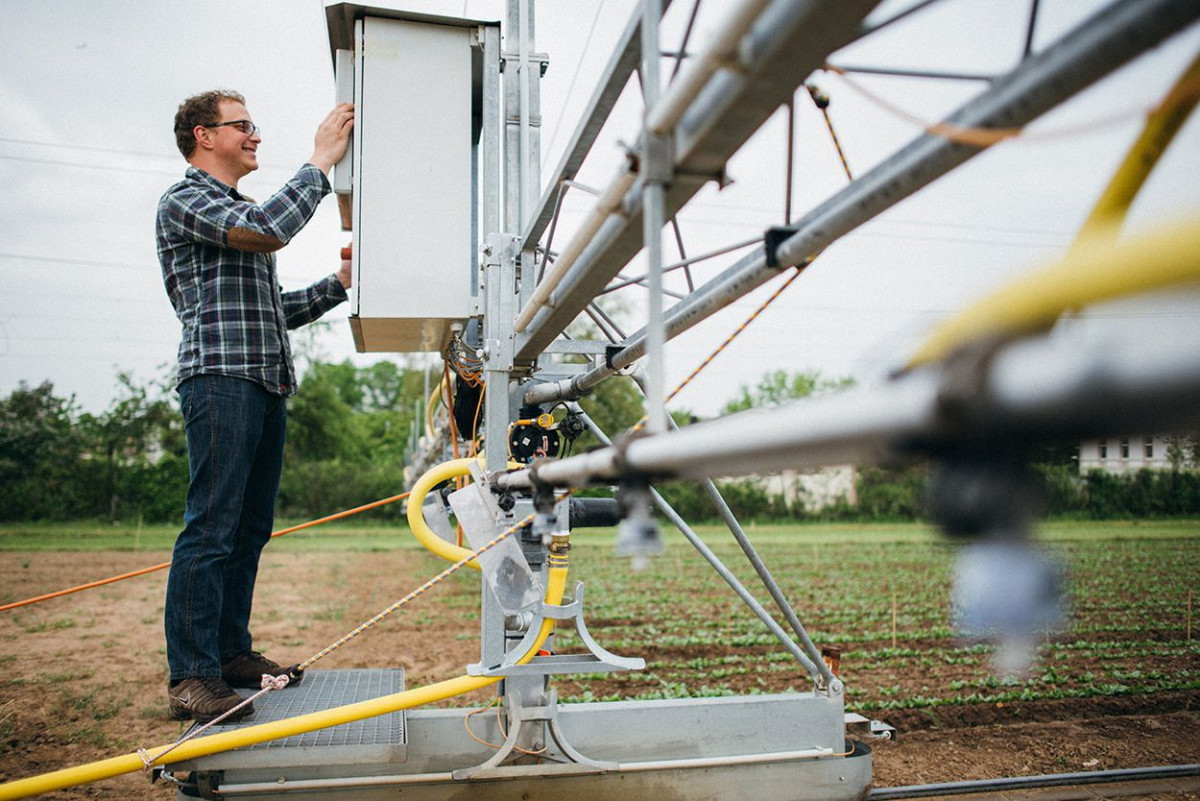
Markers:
point(572, 427)
point(533, 436)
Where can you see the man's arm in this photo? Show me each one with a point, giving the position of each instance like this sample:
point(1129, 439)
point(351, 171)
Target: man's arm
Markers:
point(304, 306)
point(206, 215)
point(218, 219)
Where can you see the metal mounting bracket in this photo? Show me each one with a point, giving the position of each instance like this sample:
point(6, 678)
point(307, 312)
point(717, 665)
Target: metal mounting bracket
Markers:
point(596, 660)
point(519, 716)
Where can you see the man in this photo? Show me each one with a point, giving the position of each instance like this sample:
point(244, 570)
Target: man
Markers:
point(235, 373)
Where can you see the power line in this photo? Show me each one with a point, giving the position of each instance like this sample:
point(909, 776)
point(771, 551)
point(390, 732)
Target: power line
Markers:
point(176, 173)
point(86, 262)
point(90, 148)
point(714, 221)
point(288, 278)
point(30, 160)
point(768, 212)
point(107, 318)
point(571, 88)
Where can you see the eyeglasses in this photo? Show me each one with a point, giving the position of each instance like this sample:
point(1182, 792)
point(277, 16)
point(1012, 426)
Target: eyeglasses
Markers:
point(245, 126)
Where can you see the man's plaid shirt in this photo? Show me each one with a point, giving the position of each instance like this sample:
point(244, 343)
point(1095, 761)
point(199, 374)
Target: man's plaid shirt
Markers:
point(234, 316)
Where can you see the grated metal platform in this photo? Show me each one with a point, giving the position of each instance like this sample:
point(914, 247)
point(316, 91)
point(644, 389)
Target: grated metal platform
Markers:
point(370, 741)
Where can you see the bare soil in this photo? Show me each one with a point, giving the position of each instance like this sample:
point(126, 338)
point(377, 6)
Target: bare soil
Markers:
point(84, 676)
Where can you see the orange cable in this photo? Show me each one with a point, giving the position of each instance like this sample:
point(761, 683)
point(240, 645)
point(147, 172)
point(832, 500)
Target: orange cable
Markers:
point(799, 269)
point(145, 570)
point(837, 144)
point(986, 137)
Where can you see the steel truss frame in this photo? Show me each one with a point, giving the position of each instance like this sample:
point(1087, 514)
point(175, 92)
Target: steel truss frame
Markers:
point(1111, 38)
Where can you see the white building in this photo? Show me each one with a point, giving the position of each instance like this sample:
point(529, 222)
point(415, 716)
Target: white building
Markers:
point(1126, 454)
point(815, 489)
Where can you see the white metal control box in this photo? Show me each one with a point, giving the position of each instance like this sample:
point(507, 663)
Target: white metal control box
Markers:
point(411, 186)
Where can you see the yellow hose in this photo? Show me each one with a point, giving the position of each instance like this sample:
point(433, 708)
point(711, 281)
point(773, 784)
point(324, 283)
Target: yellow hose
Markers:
point(416, 499)
point(1036, 302)
point(1160, 128)
point(251, 735)
point(416, 520)
point(1092, 272)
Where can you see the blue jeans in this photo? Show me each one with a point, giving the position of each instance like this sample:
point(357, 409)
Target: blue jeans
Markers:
point(235, 434)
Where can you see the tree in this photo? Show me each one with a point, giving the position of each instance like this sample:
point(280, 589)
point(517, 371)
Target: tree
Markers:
point(321, 425)
point(779, 386)
point(614, 406)
point(1183, 451)
point(40, 451)
point(131, 438)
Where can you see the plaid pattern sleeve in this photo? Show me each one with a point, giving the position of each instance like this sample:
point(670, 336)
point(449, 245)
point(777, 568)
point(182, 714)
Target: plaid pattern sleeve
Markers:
point(306, 305)
point(233, 315)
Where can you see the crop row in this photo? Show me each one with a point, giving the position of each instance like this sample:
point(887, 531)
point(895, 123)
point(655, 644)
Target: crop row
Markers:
point(886, 605)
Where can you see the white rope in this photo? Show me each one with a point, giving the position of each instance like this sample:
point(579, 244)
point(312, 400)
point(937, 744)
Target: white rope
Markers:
point(269, 683)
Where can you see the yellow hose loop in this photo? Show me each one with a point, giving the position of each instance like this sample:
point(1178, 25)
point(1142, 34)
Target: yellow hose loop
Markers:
point(1094, 271)
point(416, 520)
point(416, 498)
point(261, 733)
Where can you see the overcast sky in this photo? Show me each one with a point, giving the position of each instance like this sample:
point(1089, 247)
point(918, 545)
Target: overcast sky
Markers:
point(86, 148)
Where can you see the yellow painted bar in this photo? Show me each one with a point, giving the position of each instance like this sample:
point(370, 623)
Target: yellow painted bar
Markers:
point(251, 735)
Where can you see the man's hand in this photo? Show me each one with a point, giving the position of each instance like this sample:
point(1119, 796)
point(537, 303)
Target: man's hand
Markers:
point(344, 275)
point(333, 135)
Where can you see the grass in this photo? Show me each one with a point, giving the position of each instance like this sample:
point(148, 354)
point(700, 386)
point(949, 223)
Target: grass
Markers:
point(30, 538)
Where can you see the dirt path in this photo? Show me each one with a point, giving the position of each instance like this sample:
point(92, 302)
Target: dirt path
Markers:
point(84, 677)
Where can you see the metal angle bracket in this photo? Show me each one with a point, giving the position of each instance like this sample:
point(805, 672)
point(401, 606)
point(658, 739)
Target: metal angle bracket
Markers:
point(570, 761)
point(869, 728)
point(542, 59)
point(596, 660)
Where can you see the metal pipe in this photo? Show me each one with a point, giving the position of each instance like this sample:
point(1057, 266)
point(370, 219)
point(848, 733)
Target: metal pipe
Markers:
point(656, 168)
point(764, 575)
point(1028, 782)
point(787, 42)
point(721, 53)
point(687, 261)
point(811, 662)
point(811, 666)
point(908, 73)
point(760, 568)
point(1030, 389)
point(1098, 46)
point(616, 74)
point(607, 204)
point(1095, 48)
point(1033, 15)
point(716, 762)
point(231, 790)
point(523, 72)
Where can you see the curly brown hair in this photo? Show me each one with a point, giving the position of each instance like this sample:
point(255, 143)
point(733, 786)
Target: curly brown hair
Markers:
point(200, 109)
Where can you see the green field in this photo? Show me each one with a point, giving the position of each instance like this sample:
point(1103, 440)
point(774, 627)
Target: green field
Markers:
point(879, 592)
point(343, 536)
